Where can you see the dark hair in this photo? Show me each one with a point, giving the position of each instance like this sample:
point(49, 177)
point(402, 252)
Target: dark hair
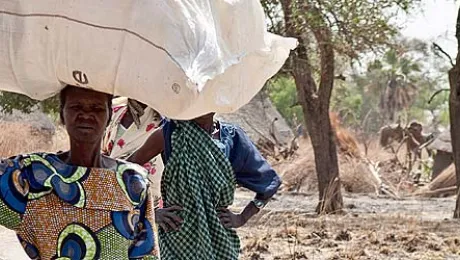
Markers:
point(63, 96)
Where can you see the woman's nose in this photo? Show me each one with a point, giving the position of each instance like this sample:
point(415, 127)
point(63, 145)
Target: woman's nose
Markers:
point(86, 113)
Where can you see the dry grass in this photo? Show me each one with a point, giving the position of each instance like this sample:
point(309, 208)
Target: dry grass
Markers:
point(350, 237)
point(299, 173)
point(356, 177)
point(19, 138)
point(346, 141)
point(357, 172)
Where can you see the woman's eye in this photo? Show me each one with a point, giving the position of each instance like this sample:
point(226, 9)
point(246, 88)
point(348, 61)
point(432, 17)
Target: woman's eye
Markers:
point(75, 107)
point(98, 109)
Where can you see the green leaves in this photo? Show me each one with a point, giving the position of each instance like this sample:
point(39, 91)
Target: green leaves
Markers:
point(362, 101)
point(283, 94)
point(12, 101)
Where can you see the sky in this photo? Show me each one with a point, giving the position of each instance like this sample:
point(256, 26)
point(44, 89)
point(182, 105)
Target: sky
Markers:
point(435, 22)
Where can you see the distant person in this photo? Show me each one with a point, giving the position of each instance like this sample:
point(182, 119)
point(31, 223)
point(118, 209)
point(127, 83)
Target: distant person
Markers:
point(204, 160)
point(131, 124)
point(79, 204)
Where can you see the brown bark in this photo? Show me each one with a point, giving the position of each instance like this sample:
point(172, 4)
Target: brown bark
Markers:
point(315, 103)
point(454, 109)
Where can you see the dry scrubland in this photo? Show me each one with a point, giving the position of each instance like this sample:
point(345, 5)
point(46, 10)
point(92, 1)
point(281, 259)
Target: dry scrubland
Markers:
point(373, 227)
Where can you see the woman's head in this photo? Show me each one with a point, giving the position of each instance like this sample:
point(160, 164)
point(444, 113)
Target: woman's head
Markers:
point(85, 113)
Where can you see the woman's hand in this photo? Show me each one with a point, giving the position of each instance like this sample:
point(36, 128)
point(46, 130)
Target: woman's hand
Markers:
point(230, 219)
point(168, 219)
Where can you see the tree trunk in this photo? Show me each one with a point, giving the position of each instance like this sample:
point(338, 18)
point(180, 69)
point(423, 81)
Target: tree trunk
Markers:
point(326, 161)
point(315, 103)
point(454, 109)
point(316, 112)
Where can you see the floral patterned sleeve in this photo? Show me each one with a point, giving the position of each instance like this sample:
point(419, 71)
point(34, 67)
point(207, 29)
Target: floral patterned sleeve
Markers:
point(13, 191)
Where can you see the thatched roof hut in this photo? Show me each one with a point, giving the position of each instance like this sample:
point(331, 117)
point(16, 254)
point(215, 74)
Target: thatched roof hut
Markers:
point(261, 121)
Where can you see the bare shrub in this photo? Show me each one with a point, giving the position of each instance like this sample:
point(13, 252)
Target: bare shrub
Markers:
point(20, 138)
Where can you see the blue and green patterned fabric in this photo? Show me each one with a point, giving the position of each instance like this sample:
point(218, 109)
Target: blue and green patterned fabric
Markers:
point(60, 211)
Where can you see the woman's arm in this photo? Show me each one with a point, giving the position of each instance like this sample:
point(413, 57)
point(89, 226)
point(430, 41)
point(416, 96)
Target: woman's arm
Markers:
point(151, 148)
point(253, 172)
point(232, 220)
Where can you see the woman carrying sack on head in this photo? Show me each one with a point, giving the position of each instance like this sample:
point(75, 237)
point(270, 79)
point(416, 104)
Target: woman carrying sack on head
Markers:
point(204, 160)
point(79, 204)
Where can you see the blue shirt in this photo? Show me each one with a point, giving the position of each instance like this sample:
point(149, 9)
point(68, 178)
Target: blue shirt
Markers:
point(251, 170)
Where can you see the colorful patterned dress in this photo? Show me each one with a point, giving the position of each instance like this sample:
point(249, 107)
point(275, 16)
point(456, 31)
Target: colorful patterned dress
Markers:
point(68, 212)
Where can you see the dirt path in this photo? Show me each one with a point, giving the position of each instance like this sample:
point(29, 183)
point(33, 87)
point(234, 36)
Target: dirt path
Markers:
point(373, 228)
point(428, 209)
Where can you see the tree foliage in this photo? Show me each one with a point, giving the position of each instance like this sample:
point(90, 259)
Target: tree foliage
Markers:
point(283, 94)
point(364, 102)
point(13, 101)
point(356, 26)
point(327, 29)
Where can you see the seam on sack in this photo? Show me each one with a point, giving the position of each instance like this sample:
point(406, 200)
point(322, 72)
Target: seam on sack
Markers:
point(96, 26)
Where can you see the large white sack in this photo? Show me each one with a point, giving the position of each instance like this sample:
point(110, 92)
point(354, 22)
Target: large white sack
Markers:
point(182, 57)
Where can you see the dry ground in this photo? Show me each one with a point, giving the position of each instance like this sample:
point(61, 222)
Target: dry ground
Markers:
point(373, 227)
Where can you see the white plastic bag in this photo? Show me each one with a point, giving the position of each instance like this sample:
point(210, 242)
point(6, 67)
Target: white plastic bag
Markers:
point(183, 58)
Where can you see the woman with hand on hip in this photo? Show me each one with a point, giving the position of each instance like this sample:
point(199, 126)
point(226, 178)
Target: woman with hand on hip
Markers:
point(204, 160)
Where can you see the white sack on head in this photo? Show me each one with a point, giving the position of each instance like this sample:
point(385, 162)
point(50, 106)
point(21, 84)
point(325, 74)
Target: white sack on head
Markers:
point(182, 58)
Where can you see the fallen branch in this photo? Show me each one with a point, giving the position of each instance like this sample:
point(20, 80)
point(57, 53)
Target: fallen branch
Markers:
point(425, 144)
point(448, 191)
point(381, 188)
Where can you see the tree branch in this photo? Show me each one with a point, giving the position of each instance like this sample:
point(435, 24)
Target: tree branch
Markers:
point(268, 8)
point(437, 93)
point(302, 64)
point(323, 36)
point(437, 48)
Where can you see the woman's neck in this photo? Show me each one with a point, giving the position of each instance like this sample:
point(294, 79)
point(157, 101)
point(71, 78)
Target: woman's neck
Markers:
point(85, 154)
point(206, 125)
point(127, 120)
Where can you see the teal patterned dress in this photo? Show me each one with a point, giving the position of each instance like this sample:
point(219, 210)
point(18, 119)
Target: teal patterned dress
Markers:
point(60, 211)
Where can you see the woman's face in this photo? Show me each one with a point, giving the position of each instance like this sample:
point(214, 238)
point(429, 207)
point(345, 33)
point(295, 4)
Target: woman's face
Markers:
point(85, 114)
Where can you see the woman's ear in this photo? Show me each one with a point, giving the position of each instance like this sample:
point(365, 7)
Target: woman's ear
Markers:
point(110, 116)
point(61, 115)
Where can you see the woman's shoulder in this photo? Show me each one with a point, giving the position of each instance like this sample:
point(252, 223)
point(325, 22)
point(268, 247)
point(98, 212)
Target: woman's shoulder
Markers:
point(55, 164)
point(231, 130)
point(24, 158)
